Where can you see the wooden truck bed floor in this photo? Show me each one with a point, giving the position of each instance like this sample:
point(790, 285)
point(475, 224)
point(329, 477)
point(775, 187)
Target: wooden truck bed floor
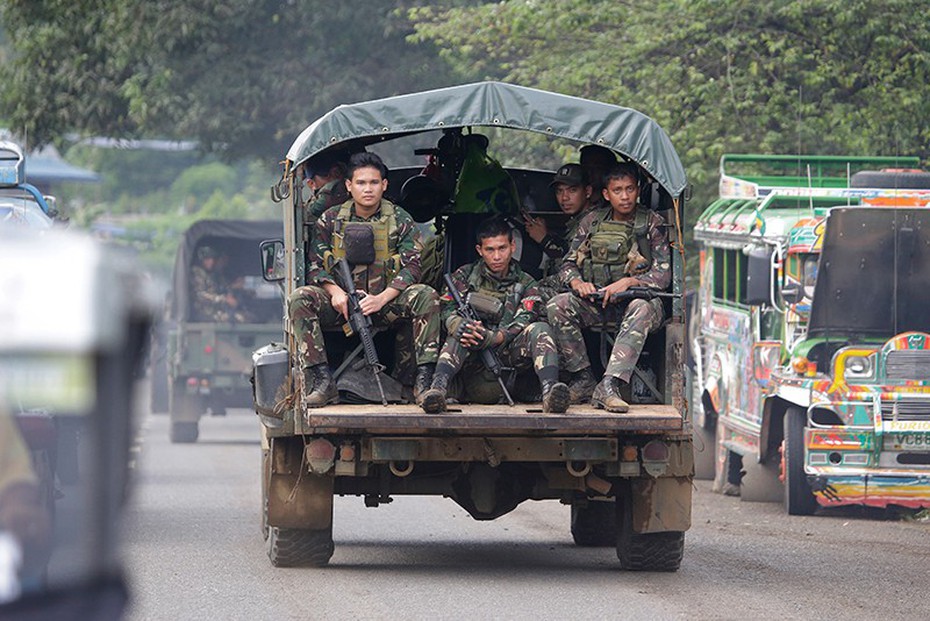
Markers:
point(494, 418)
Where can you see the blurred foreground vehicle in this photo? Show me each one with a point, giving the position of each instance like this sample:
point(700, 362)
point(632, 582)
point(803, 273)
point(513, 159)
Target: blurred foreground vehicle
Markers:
point(813, 343)
point(219, 310)
point(59, 559)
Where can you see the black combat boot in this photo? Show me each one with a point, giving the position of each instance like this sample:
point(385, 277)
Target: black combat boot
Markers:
point(556, 397)
point(319, 387)
point(423, 380)
point(607, 395)
point(581, 385)
point(433, 401)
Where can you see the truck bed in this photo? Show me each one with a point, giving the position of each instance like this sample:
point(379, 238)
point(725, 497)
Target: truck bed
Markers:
point(373, 418)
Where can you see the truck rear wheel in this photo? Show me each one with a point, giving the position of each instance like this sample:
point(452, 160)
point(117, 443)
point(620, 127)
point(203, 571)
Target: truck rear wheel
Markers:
point(799, 499)
point(297, 547)
point(661, 551)
point(594, 524)
point(184, 432)
point(185, 414)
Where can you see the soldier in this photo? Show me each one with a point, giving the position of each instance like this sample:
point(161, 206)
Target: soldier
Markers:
point(596, 161)
point(573, 193)
point(504, 296)
point(325, 175)
point(613, 250)
point(389, 282)
point(212, 300)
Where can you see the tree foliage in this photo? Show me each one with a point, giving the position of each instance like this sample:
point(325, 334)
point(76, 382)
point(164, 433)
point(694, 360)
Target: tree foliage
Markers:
point(820, 76)
point(241, 76)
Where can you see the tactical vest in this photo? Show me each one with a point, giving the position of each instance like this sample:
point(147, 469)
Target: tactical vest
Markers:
point(387, 259)
point(608, 245)
point(477, 284)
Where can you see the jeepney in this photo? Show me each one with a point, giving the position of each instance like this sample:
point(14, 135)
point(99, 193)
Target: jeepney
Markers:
point(811, 344)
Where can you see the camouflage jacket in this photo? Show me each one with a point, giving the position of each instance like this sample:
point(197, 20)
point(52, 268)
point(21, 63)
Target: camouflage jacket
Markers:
point(659, 275)
point(555, 246)
point(207, 289)
point(404, 241)
point(522, 304)
point(332, 194)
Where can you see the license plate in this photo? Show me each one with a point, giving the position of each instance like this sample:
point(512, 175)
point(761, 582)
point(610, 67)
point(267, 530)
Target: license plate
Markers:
point(913, 442)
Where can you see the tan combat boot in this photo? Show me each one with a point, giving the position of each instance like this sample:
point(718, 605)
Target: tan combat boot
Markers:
point(555, 397)
point(607, 396)
point(319, 386)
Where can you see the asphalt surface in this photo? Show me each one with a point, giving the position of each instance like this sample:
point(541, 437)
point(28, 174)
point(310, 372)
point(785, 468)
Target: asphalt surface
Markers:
point(193, 550)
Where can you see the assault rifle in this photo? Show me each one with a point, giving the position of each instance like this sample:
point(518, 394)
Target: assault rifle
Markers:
point(488, 357)
point(641, 293)
point(361, 324)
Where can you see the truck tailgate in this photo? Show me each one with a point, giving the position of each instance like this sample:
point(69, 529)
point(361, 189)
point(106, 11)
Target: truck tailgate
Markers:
point(373, 418)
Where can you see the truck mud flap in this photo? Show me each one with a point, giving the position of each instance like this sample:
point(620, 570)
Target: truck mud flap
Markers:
point(662, 504)
point(296, 498)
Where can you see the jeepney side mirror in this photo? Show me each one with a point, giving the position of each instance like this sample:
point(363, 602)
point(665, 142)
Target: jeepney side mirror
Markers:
point(272, 251)
point(759, 276)
point(792, 294)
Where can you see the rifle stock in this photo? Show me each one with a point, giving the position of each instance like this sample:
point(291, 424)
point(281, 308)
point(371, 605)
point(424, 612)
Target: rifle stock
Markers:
point(641, 293)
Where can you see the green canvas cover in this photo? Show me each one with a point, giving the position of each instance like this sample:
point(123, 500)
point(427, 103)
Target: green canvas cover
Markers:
point(495, 104)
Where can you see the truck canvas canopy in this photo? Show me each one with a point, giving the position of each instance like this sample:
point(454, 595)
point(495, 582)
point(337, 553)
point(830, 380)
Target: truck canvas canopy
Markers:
point(495, 104)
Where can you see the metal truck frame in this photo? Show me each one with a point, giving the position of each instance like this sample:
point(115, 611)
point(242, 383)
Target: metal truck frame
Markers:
point(794, 402)
point(627, 477)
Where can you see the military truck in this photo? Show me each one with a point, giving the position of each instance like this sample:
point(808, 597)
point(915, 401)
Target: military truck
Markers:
point(204, 358)
point(627, 477)
point(812, 344)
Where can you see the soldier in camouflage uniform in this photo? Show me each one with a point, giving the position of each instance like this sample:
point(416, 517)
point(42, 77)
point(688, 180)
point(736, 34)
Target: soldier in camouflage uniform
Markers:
point(325, 175)
point(390, 282)
point(573, 193)
point(613, 250)
point(504, 297)
point(212, 300)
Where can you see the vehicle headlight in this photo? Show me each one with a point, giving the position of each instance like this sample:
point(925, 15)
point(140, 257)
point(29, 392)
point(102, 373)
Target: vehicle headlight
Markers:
point(859, 367)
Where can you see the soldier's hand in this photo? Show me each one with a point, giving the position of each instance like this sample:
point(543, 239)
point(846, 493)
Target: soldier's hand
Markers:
point(473, 335)
point(618, 286)
point(231, 300)
point(371, 304)
point(582, 288)
point(535, 227)
point(340, 302)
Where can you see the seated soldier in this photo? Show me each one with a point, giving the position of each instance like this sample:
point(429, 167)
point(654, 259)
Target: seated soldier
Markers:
point(325, 174)
point(614, 250)
point(511, 309)
point(389, 282)
point(212, 299)
point(573, 194)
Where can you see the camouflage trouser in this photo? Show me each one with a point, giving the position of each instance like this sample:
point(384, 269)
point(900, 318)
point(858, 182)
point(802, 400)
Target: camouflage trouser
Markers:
point(572, 314)
point(310, 311)
point(534, 346)
point(549, 287)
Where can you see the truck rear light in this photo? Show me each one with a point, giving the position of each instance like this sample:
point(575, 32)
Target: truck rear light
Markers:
point(321, 455)
point(191, 381)
point(208, 349)
point(856, 459)
point(656, 451)
point(629, 453)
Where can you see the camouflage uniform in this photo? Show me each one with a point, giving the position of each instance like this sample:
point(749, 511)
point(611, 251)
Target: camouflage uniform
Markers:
point(310, 308)
point(527, 340)
point(210, 298)
point(332, 194)
point(572, 313)
point(556, 248)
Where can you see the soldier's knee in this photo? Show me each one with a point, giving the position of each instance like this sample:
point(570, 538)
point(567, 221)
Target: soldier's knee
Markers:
point(423, 299)
point(304, 299)
point(558, 307)
point(539, 329)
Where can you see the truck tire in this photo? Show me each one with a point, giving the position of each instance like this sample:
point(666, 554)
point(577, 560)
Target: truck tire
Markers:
point(799, 499)
point(705, 450)
point(295, 547)
point(661, 551)
point(184, 432)
point(904, 180)
point(594, 524)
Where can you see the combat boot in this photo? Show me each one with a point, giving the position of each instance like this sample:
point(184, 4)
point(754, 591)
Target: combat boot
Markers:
point(581, 385)
point(556, 397)
point(423, 380)
point(319, 386)
point(607, 396)
point(433, 401)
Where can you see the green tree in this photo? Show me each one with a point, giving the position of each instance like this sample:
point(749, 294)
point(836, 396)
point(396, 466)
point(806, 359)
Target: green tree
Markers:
point(819, 76)
point(241, 76)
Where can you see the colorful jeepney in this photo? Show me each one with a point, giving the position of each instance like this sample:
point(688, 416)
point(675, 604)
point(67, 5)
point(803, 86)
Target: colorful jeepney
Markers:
point(811, 350)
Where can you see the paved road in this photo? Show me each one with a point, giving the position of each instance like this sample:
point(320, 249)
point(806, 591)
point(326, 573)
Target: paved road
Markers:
point(194, 551)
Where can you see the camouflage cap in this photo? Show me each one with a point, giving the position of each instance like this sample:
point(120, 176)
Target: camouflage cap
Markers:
point(569, 174)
